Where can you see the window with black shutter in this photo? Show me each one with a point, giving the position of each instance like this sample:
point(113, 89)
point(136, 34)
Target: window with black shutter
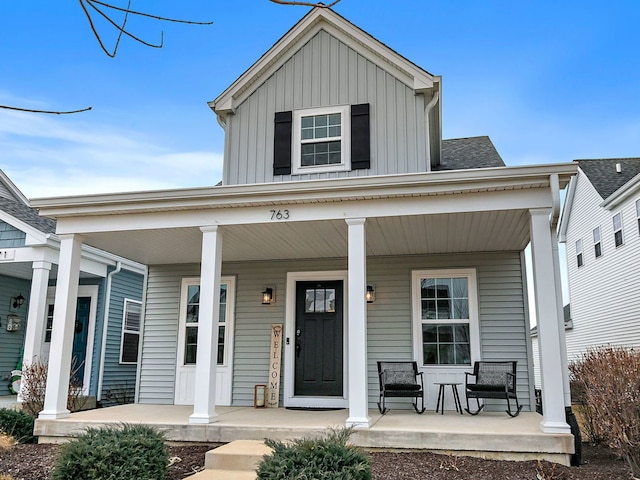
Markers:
point(321, 140)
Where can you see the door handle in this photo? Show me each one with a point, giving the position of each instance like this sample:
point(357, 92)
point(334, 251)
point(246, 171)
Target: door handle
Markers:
point(298, 348)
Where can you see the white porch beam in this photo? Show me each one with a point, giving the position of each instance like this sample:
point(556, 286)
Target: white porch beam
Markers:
point(64, 316)
point(357, 327)
point(204, 409)
point(316, 210)
point(550, 350)
point(37, 311)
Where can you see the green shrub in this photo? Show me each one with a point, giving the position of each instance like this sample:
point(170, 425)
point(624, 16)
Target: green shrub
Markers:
point(134, 452)
point(17, 424)
point(328, 458)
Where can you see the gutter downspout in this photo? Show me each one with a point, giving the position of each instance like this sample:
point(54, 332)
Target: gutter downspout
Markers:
point(427, 111)
point(105, 326)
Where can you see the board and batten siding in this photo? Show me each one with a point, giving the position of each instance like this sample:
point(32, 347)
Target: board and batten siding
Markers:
point(117, 377)
point(11, 342)
point(605, 291)
point(10, 236)
point(326, 72)
point(503, 323)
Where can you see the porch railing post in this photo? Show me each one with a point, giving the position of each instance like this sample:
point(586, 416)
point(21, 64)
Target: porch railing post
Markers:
point(204, 410)
point(357, 330)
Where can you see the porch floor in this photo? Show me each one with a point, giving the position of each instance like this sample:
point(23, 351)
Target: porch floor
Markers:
point(490, 434)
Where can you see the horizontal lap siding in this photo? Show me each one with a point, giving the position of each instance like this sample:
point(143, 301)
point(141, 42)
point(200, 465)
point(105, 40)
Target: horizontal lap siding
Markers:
point(11, 342)
point(503, 331)
point(253, 320)
point(116, 377)
point(326, 72)
point(604, 292)
point(160, 332)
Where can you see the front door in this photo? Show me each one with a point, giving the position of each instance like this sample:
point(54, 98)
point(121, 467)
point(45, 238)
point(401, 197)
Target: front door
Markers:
point(319, 339)
point(81, 332)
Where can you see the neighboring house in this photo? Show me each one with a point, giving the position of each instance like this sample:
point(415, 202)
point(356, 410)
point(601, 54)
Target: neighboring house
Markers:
point(335, 182)
point(568, 325)
point(110, 289)
point(601, 229)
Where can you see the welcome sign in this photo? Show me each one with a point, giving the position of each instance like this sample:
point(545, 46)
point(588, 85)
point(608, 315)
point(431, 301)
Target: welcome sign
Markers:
point(273, 389)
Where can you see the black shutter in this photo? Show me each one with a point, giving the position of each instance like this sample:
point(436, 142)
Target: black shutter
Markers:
point(282, 143)
point(360, 137)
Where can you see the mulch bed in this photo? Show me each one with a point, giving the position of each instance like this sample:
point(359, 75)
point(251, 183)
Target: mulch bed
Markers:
point(35, 462)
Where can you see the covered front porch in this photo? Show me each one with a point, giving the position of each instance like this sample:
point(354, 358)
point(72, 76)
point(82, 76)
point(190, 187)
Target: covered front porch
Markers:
point(490, 434)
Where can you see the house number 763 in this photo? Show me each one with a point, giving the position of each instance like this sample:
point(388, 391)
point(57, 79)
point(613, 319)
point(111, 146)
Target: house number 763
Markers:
point(279, 214)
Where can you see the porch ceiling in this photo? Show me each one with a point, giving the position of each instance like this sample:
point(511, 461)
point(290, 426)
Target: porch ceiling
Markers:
point(504, 230)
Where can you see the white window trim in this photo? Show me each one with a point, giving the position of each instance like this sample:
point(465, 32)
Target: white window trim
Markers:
point(229, 317)
point(132, 332)
point(579, 253)
point(474, 321)
point(621, 229)
point(345, 138)
point(598, 241)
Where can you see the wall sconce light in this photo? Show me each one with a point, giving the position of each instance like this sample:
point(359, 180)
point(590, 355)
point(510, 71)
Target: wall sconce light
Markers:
point(17, 302)
point(269, 295)
point(371, 294)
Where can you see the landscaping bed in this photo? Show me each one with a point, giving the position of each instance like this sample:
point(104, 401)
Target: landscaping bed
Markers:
point(35, 462)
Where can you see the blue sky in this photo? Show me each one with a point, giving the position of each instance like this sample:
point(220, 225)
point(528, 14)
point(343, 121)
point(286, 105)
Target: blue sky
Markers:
point(547, 81)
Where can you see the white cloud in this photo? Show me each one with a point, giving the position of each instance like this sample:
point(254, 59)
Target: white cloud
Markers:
point(51, 156)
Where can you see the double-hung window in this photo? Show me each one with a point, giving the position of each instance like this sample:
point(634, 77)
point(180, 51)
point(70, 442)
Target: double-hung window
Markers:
point(617, 229)
point(597, 242)
point(445, 316)
point(191, 323)
point(321, 141)
point(131, 317)
point(579, 257)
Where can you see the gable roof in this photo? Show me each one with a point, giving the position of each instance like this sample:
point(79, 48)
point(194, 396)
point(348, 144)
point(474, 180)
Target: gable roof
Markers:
point(314, 21)
point(27, 215)
point(470, 152)
point(603, 175)
point(9, 190)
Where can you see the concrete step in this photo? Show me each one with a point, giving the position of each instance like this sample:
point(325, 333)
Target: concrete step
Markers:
point(223, 475)
point(242, 455)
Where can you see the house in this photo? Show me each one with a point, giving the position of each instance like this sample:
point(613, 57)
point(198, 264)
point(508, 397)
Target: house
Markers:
point(568, 325)
point(105, 323)
point(601, 229)
point(336, 185)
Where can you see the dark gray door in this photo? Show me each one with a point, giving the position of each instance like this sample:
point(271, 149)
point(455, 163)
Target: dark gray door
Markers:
point(318, 339)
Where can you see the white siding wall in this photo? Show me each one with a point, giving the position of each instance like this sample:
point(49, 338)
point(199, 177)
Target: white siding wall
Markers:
point(503, 331)
point(605, 291)
point(326, 72)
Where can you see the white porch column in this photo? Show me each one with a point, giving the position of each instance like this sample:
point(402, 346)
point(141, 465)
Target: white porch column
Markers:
point(204, 409)
point(357, 328)
point(562, 334)
point(34, 332)
point(550, 350)
point(64, 317)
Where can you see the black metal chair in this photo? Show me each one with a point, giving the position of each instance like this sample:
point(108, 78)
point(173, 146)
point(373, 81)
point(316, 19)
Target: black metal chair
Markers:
point(400, 379)
point(492, 380)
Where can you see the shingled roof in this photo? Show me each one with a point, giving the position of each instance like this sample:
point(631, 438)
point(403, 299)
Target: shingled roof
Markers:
point(603, 175)
point(28, 215)
point(471, 152)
